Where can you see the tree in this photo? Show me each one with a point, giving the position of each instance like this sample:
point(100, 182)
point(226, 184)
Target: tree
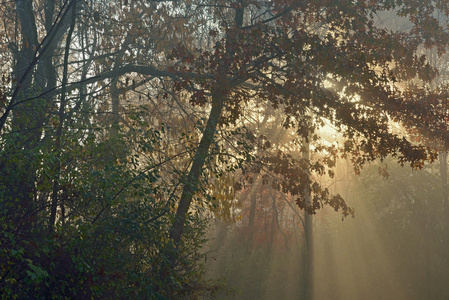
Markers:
point(75, 65)
point(85, 211)
point(285, 53)
point(407, 210)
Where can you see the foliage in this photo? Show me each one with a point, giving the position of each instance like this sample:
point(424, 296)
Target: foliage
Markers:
point(111, 228)
point(124, 123)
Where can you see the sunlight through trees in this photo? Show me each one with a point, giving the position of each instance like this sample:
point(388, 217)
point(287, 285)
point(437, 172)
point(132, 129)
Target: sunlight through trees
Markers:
point(194, 149)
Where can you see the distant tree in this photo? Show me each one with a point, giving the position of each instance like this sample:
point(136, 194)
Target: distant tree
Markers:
point(407, 210)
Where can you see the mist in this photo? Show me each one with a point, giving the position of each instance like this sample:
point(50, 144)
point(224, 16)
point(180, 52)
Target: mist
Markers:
point(226, 149)
point(395, 246)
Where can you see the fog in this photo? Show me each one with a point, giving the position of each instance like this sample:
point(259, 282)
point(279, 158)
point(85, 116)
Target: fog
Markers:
point(393, 248)
point(163, 149)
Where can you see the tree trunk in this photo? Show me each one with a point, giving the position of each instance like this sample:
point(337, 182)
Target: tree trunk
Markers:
point(252, 213)
point(307, 284)
point(273, 221)
point(191, 180)
point(445, 223)
point(24, 120)
point(443, 173)
point(62, 117)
